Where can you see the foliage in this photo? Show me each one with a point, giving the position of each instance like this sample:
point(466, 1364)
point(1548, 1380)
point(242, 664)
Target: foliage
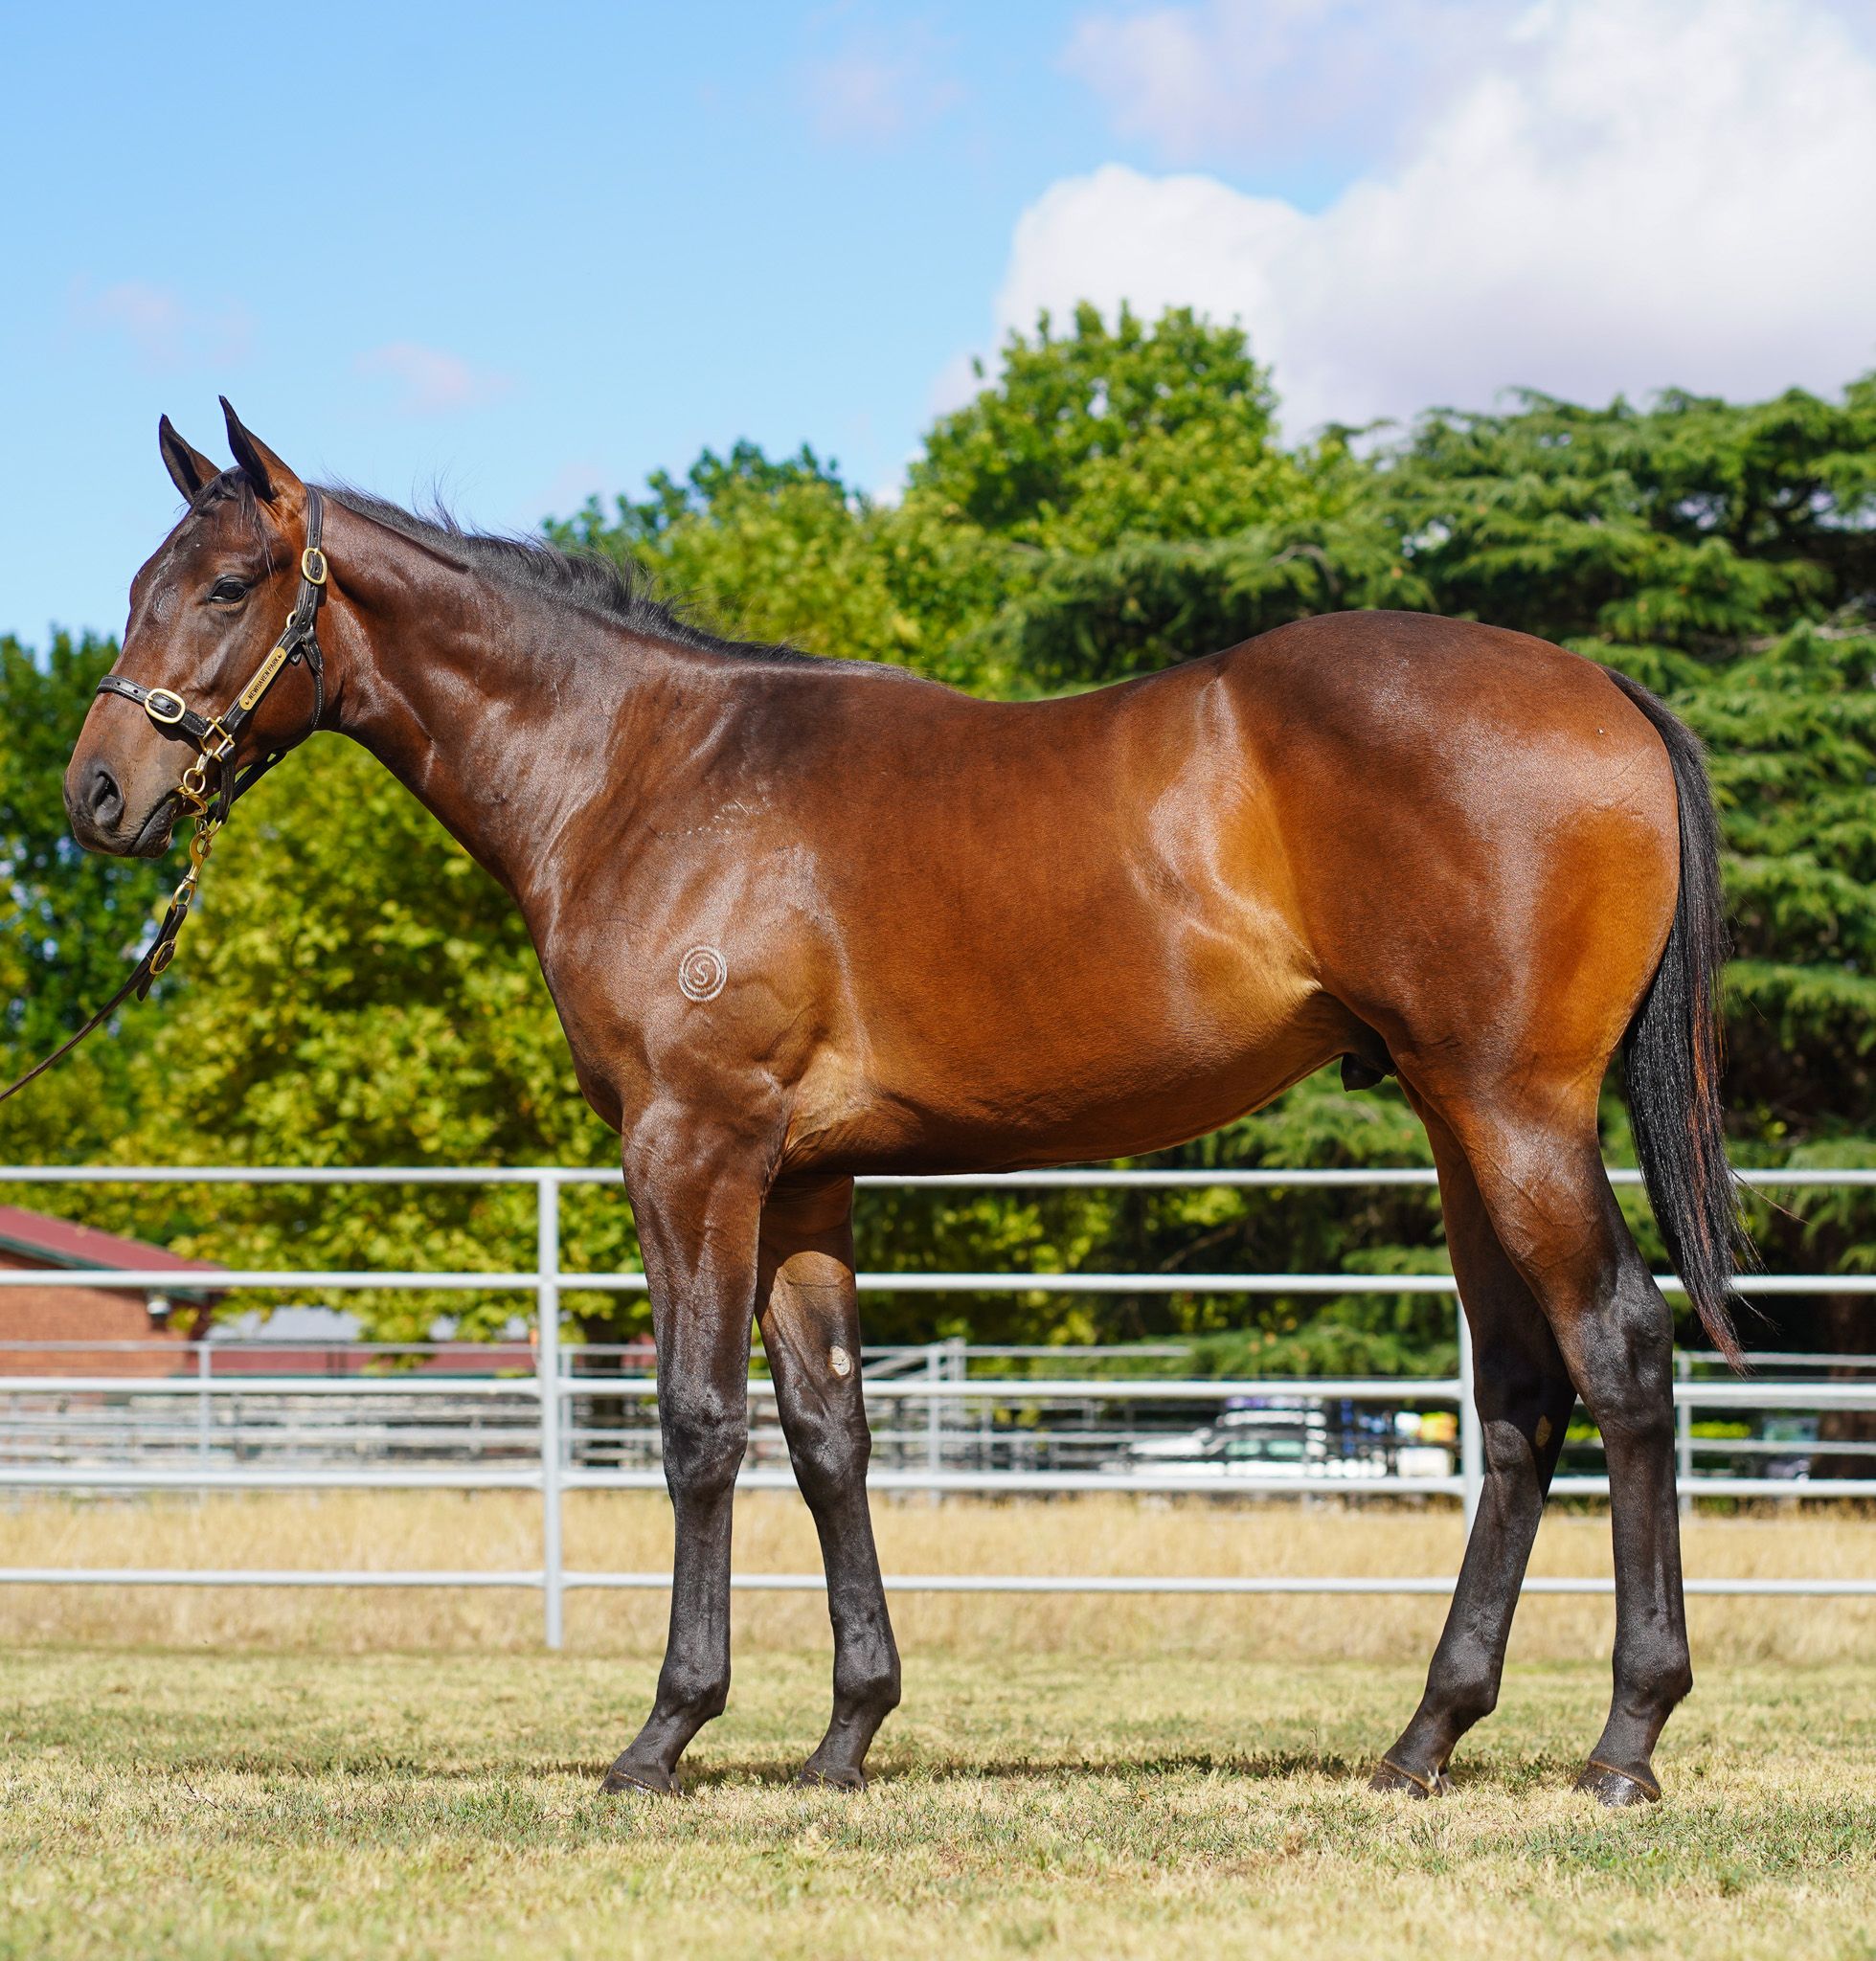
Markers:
point(1691, 524)
point(363, 993)
point(1162, 432)
point(71, 921)
point(1115, 498)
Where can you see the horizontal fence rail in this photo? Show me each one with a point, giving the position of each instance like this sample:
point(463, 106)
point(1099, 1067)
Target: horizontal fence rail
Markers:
point(533, 1413)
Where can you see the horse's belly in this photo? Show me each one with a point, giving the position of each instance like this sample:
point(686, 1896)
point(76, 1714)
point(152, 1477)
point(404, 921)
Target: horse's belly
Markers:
point(1037, 1062)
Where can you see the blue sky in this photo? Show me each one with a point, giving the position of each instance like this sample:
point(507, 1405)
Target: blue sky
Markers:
point(524, 256)
point(526, 253)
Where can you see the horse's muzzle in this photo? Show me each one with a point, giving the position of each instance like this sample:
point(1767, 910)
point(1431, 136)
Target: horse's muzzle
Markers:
point(95, 805)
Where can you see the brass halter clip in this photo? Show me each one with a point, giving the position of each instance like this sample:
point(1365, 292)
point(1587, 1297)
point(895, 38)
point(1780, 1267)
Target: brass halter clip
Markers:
point(184, 895)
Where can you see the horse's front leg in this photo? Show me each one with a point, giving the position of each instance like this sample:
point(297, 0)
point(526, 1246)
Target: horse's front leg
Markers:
point(698, 1205)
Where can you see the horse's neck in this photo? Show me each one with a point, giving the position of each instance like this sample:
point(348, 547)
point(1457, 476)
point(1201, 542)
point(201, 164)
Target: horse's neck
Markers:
point(487, 705)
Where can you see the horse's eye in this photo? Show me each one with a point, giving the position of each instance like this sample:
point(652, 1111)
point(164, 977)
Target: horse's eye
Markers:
point(228, 590)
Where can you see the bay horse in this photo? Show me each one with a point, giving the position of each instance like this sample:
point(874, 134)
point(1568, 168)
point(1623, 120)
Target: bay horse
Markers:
point(805, 918)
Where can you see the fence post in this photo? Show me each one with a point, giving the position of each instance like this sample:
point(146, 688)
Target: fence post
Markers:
point(1472, 1439)
point(934, 1373)
point(547, 1373)
point(1683, 1435)
point(204, 1406)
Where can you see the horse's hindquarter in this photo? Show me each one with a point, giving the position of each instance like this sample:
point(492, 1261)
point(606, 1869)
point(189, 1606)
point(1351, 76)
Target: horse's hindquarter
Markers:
point(1485, 839)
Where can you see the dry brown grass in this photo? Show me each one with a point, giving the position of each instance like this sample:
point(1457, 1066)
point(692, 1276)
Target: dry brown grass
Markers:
point(445, 1808)
point(631, 1531)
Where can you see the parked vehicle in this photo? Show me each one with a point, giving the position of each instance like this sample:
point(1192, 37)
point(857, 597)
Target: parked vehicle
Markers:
point(1307, 1439)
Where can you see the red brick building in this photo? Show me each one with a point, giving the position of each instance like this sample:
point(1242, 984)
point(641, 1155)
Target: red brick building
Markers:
point(159, 1320)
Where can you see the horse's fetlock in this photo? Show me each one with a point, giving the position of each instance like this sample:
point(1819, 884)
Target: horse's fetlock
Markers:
point(698, 1694)
point(1464, 1684)
point(872, 1684)
point(1661, 1676)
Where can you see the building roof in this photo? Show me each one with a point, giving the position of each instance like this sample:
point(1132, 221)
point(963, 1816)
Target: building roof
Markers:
point(34, 1239)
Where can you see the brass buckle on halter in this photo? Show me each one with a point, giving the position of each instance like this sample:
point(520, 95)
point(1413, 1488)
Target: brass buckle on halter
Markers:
point(162, 719)
point(312, 566)
point(193, 789)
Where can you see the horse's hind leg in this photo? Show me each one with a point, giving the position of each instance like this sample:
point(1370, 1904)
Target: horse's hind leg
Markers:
point(811, 1335)
point(1523, 1394)
point(1541, 1179)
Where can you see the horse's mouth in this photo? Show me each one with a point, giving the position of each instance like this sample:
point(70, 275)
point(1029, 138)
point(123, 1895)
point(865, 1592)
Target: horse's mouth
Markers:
point(159, 827)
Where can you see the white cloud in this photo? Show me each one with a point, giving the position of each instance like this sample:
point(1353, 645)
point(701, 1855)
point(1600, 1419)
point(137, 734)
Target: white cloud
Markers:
point(166, 331)
point(431, 381)
point(1616, 195)
point(1266, 80)
point(877, 87)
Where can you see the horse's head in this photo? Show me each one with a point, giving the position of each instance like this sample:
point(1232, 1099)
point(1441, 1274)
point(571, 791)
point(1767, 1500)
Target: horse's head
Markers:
point(205, 610)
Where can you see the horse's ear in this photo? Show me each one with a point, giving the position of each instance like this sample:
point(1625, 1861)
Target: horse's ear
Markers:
point(269, 477)
point(188, 467)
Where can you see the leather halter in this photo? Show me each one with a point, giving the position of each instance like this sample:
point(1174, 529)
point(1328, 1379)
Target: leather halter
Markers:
point(215, 738)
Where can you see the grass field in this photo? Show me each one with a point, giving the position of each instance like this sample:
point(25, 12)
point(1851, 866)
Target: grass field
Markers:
point(255, 1775)
point(251, 1806)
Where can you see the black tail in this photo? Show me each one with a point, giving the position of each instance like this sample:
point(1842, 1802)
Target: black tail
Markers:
point(1672, 1056)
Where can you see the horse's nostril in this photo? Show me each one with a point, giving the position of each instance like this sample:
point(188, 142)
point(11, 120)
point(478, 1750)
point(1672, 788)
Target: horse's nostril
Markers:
point(103, 796)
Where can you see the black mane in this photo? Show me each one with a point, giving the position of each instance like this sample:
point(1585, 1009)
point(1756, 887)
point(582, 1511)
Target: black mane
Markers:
point(593, 582)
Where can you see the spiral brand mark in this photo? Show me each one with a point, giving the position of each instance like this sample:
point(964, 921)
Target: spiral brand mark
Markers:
point(702, 972)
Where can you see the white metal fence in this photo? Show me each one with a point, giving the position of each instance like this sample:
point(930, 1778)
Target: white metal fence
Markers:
point(536, 1433)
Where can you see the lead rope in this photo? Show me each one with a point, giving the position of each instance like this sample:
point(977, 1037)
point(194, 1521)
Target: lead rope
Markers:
point(214, 738)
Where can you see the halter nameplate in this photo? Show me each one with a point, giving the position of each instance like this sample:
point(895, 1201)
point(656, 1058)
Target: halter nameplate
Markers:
point(250, 696)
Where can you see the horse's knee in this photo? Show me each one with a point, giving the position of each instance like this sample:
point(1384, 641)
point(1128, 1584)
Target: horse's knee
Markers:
point(705, 1438)
point(829, 1454)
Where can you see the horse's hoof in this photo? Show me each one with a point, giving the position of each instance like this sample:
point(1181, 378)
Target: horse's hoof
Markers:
point(1390, 1776)
point(625, 1776)
point(1615, 1788)
point(818, 1777)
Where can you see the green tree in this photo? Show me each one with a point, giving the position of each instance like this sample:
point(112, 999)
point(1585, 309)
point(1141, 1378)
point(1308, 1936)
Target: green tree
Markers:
point(1115, 498)
point(69, 922)
point(1133, 431)
point(362, 993)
